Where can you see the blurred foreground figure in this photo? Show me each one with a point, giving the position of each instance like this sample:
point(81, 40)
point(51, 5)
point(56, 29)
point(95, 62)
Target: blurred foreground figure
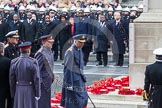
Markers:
point(153, 81)
point(4, 79)
point(25, 79)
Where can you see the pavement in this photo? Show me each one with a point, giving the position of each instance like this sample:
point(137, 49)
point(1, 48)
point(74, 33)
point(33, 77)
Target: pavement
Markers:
point(91, 71)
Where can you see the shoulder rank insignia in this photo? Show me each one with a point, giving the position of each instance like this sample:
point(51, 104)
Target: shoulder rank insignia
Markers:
point(70, 49)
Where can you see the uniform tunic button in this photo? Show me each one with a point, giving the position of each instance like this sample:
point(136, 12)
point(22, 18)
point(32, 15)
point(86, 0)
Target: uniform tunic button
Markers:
point(17, 82)
point(151, 100)
point(30, 83)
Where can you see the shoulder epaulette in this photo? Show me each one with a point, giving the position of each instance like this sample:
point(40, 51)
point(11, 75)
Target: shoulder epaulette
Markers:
point(6, 45)
point(70, 49)
point(14, 60)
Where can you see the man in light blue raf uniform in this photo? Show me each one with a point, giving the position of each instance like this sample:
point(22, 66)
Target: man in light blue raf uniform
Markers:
point(46, 64)
point(74, 94)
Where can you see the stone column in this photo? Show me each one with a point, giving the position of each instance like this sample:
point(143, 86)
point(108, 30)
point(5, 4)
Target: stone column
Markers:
point(145, 36)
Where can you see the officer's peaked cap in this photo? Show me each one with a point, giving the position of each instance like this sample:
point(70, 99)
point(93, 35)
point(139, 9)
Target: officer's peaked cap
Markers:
point(80, 37)
point(158, 52)
point(25, 45)
point(47, 38)
point(12, 34)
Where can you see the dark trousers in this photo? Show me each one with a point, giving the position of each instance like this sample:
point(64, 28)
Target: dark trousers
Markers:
point(3, 100)
point(119, 59)
point(55, 50)
point(85, 57)
point(104, 56)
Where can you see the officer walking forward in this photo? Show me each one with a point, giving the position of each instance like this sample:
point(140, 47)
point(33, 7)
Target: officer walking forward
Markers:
point(74, 94)
point(46, 63)
point(25, 79)
point(153, 81)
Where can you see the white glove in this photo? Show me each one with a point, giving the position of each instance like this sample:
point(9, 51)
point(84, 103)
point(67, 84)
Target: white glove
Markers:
point(37, 98)
point(70, 88)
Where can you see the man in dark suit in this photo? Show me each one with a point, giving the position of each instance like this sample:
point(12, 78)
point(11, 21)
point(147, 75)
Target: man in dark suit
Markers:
point(119, 28)
point(30, 27)
point(15, 24)
point(153, 81)
point(4, 79)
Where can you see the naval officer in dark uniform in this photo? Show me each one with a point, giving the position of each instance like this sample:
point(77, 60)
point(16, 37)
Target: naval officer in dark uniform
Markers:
point(153, 81)
point(74, 94)
point(46, 64)
point(24, 79)
point(11, 49)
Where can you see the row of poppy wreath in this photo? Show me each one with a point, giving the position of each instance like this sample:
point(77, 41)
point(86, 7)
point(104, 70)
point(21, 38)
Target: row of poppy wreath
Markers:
point(104, 86)
point(107, 85)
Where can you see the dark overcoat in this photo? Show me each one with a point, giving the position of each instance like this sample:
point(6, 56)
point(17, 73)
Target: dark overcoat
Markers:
point(30, 30)
point(3, 31)
point(4, 82)
point(102, 37)
point(153, 84)
point(46, 65)
point(120, 36)
point(74, 94)
point(24, 81)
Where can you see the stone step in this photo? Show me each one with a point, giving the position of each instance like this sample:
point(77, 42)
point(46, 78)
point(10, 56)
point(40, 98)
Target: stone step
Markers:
point(116, 104)
point(114, 100)
point(114, 96)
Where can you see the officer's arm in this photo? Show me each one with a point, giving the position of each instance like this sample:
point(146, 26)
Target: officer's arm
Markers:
point(147, 80)
point(39, 57)
point(36, 78)
point(68, 64)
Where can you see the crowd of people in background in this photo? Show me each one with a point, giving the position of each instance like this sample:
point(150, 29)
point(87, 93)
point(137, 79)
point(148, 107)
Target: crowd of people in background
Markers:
point(107, 23)
point(45, 31)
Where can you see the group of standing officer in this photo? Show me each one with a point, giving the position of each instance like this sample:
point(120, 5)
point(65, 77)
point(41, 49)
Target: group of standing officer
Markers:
point(26, 80)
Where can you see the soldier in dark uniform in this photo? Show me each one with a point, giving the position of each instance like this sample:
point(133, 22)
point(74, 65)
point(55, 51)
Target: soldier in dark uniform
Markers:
point(4, 79)
point(16, 25)
point(46, 64)
point(22, 14)
point(3, 29)
point(11, 50)
point(74, 94)
point(7, 17)
point(153, 81)
point(25, 79)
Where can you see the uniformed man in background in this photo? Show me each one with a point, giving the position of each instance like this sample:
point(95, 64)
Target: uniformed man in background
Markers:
point(74, 94)
point(153, 81)
point(11, 50)
point(24, 79)
point(46, 64)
